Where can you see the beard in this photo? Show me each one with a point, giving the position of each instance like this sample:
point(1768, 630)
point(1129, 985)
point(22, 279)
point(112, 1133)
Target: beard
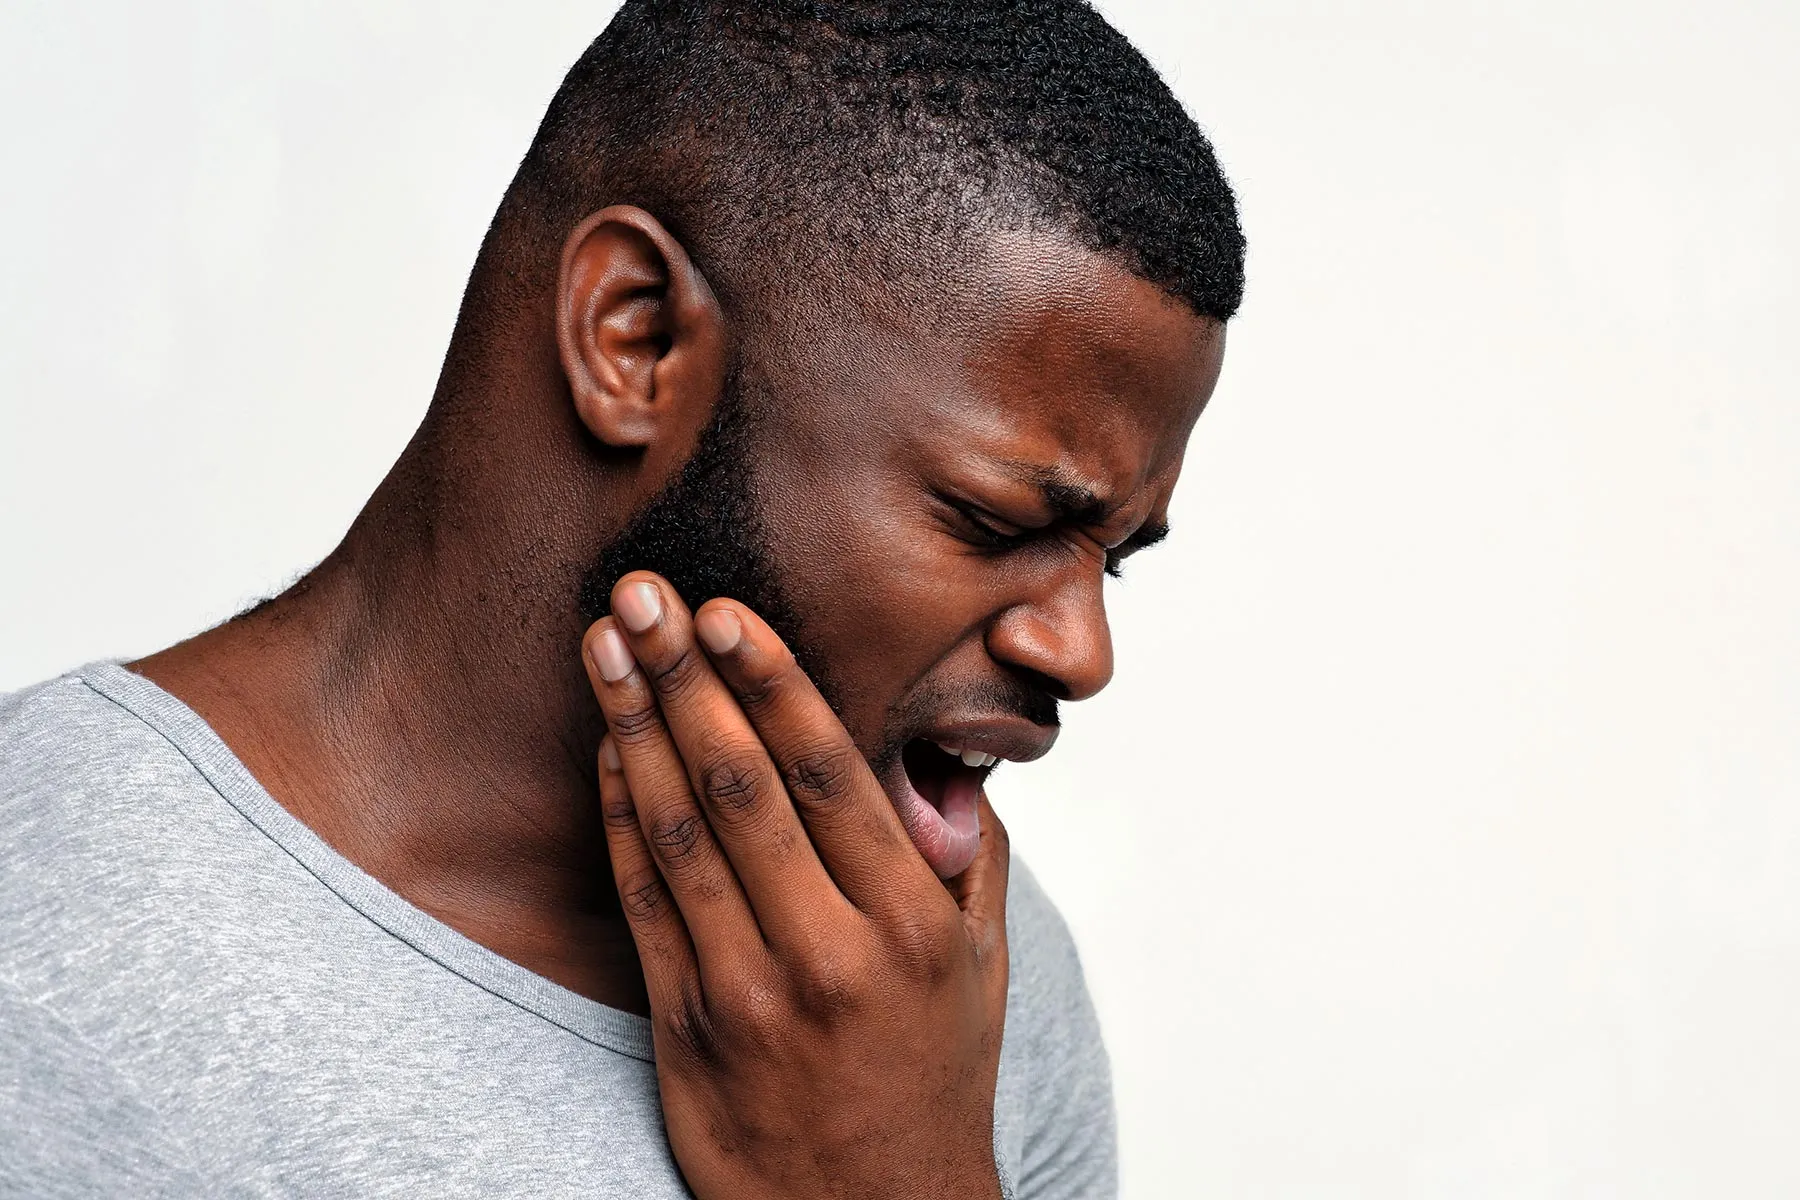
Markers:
point(705, 533)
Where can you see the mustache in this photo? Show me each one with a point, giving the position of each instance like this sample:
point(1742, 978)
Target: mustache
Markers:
point(1015, 697)
point(1001, 696)
point(1033, 699)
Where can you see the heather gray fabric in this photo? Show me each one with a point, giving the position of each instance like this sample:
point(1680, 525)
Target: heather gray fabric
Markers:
point(199, 997)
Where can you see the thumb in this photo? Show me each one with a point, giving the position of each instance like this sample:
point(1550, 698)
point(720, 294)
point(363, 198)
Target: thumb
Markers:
point(980, 891)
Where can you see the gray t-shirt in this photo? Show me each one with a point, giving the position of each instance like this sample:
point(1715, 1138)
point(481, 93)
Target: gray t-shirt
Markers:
point(199, 997)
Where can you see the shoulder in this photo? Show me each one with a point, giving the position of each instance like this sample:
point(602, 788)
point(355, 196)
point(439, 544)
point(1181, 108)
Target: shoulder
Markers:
point(70, 755)
point(95, 805)
point(71, 763)
point(66, 729)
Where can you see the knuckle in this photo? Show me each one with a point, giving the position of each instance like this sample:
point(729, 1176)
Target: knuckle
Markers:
point(691, 1030)
point(820, 778)
point(633, 725)
point(920, 939)
point(731, 788)
point(619, 811)
point(752, 1007)
point(756, 689)
point(643, 897)
point(680, 674)
point(825, 988)
point(678, 837)
point(925, 950)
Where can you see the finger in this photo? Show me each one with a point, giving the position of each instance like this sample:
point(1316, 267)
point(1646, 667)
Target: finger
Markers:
point(728, 767)
point(663, 945)
point(847, 813)
point(697, 874)
point(980, 891)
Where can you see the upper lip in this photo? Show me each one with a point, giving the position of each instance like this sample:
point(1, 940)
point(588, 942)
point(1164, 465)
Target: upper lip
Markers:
point(1012, 738)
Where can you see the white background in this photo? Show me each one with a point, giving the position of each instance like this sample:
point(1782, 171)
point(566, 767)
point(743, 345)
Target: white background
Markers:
point(1440, 836)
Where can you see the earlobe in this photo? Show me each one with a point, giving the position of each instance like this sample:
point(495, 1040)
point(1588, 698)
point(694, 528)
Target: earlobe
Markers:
point(638, 329)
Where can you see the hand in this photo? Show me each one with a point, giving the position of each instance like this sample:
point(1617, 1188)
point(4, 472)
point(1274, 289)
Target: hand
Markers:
point(827, 1013)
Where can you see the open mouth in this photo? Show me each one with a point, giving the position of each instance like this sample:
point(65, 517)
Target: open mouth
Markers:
point(942, 814)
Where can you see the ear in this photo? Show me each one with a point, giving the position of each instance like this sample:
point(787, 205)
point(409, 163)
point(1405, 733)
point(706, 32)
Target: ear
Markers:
point(638, 329)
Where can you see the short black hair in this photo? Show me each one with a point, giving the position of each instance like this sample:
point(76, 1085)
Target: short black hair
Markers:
point(765, 132)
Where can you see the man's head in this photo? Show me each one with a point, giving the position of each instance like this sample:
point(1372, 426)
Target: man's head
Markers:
point(890, 320)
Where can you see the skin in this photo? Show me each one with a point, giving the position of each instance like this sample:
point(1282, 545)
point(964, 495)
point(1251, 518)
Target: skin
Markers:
point(942, 503)
point(795, 944)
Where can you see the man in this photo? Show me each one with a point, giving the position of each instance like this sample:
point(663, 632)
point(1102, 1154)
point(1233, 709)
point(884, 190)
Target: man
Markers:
point(605, 814)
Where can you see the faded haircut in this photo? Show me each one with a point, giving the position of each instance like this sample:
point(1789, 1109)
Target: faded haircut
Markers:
point(788, 143)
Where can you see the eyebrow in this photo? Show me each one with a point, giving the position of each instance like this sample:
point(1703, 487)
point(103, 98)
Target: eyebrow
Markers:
point(1076, 503)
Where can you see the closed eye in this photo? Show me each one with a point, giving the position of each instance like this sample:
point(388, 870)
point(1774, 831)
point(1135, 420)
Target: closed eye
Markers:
point(984, 529)
point(979, 527)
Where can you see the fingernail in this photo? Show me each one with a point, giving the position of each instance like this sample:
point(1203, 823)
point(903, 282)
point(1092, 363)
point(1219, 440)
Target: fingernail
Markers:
point(609, 754)
point(720, 629)
point(612, 655)
point(638, 605)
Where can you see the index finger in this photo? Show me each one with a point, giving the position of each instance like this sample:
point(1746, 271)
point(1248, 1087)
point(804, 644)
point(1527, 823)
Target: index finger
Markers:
point(847, 812)
point(729, 771)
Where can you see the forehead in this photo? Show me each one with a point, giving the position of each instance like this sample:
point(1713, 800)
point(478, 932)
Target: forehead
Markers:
point(1081, 365)
point(1033, 361)
point(1032, 357)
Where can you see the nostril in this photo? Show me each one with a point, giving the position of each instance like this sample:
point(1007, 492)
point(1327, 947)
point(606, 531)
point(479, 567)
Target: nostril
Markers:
point(1053, 688)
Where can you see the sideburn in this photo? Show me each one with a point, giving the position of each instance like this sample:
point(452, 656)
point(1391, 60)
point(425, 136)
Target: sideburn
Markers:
point(705, 534)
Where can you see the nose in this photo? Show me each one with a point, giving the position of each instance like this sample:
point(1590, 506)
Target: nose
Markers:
point(1062, 637)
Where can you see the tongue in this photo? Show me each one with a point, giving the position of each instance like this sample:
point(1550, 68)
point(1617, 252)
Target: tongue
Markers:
point(947, 833)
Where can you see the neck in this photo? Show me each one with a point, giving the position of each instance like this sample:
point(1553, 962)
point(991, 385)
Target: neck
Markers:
point(428, 717)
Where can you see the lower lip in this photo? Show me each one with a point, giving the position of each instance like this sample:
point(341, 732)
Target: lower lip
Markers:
point(948, 840)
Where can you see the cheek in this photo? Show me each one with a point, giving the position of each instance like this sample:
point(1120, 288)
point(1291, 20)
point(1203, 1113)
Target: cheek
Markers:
point(884, 593)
